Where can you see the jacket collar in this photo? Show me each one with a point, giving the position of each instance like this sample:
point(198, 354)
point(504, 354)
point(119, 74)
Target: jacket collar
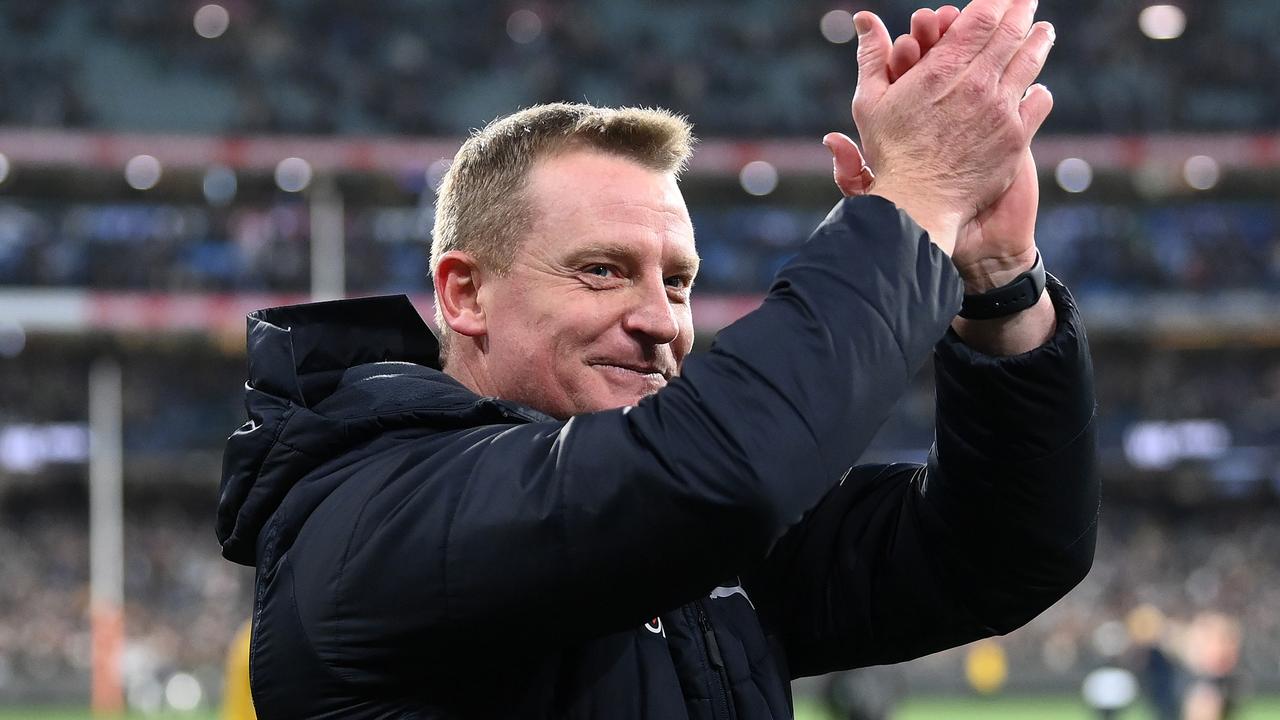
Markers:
point(300, 352)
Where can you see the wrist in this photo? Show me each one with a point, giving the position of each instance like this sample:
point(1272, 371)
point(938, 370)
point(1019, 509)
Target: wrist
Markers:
point(989, 273)
point(943, 226)
point(1012, 335)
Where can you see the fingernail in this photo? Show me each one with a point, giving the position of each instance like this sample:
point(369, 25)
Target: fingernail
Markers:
point(861, 24)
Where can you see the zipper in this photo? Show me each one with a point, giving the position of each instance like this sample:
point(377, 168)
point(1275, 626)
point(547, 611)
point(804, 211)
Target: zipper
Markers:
point(713, 655)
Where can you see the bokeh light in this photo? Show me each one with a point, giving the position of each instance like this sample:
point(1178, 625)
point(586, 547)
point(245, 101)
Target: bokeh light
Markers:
point(1202, 172)
point(183, 692)
point(211, 21)
point(219, 185)
point(142, 172)
point(758, 177)
point(1162, 22)
point(524, 26)
point(13, 338)
point(837, 26)
point(293, 174)
point(1109, 689)
point(1074, 175)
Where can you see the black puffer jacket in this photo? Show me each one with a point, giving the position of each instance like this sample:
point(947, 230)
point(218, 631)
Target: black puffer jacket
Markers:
point(424, 552)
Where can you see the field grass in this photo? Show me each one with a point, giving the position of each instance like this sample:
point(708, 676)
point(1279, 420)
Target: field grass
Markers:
point(1030, 708)
point(966, 708)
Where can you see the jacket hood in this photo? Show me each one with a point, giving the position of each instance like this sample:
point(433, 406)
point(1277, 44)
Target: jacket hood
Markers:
point(324, 377)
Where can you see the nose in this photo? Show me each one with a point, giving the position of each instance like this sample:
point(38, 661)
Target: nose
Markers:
point(651, 315)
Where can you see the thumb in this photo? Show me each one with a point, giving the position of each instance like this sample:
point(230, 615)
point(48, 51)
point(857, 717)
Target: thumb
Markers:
point(849, 168)
point(874, 46)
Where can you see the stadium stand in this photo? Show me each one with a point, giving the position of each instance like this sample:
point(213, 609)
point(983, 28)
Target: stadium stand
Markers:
point(1178, 274)
point(749, 67)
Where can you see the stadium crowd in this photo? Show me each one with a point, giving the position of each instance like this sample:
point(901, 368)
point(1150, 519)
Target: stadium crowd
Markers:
point(748, 67)
point(185, 603)
point(1201, 246)
point(751, 67)
point(1179, 548)
point(178, 408)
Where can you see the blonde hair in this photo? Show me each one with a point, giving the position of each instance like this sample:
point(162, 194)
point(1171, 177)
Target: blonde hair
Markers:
point(482, 207)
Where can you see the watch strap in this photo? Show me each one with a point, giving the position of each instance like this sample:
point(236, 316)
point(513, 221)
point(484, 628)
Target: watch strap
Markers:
point(1016, 296)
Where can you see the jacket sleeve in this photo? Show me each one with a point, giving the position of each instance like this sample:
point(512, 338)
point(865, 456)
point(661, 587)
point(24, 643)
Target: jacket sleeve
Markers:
point(903, 560)
point(551, 532)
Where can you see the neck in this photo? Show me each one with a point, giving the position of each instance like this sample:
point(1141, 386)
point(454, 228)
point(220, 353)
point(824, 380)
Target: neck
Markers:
point(467, 373)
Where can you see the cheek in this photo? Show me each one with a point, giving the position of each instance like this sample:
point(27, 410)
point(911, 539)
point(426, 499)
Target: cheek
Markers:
point(684, 343)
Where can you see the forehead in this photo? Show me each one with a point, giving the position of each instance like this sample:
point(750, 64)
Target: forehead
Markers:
point(591, 196)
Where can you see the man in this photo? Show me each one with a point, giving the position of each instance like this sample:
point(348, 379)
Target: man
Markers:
point(575, 520)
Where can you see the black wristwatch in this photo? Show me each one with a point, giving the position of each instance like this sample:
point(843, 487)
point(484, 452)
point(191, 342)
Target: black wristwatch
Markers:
point(1022, 293)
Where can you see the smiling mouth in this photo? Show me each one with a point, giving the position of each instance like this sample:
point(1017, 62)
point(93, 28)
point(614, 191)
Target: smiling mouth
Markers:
point(652, 374)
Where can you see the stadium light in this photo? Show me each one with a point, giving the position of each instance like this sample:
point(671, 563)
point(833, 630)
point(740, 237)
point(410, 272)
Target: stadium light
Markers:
point(524, 26)
point(293, 174)
point(1074, 175)
point(183, 692)
point(1162, 22)
point(1202, 172)
point(4, 167)
point(211, 21)
point(142, 172)
point(837, 27)
point(1109, 690)
point(219, 185)
point(758, 178)
point(13, 338)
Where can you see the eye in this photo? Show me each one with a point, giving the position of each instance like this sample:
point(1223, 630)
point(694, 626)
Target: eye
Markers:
point(677, 281)
point(603, 271)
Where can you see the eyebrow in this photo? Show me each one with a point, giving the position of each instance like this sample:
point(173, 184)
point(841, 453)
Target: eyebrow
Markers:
point(621, 251)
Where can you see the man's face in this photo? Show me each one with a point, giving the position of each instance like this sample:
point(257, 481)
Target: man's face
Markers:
point(594, 313)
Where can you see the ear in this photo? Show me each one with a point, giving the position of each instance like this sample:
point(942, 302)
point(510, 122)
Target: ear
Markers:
point(457, 280)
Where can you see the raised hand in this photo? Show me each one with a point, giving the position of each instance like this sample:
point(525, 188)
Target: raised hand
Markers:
point(948, 138)
point(927, 28)
point(852, 174)
point(1000, 240)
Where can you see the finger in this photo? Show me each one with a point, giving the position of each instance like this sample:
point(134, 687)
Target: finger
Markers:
point(947, 15)
point(1010, 35)
point(906, 53)
point(924, 28)
point(1027, 63)
point(1034, 108)
point(849, 167)
point(974, 26)
point(874, 46)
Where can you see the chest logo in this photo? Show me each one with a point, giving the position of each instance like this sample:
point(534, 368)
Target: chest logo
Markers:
point(655, 626)
point(725, 591)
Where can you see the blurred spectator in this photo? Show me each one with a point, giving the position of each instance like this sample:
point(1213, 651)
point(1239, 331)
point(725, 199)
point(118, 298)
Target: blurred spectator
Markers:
point(1212, 652)
point(185, 603)
point(748, 67)
point(1194, 247)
